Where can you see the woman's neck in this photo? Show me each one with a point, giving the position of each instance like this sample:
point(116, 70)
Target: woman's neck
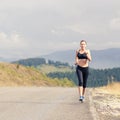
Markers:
point(82, 49)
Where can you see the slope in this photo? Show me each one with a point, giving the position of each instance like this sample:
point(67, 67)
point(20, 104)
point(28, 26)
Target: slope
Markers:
point(18, 75)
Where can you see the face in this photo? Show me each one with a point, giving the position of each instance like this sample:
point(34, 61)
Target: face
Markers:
point(83, 45)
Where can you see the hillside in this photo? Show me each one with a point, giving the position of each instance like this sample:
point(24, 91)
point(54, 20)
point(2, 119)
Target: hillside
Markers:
point(18, 75)
point(46, 68)
point(52, 69)
point(107, 58)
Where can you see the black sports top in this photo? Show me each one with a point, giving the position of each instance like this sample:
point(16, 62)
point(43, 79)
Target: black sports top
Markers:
point(82, 56)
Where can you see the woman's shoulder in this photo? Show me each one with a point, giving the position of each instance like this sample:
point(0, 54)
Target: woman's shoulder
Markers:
point(88, 50)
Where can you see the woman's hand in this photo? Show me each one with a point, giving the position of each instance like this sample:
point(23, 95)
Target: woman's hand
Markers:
point(76, 61)
point(87, 52)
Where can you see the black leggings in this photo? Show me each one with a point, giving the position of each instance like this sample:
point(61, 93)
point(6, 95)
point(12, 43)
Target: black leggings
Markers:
point(82, 74)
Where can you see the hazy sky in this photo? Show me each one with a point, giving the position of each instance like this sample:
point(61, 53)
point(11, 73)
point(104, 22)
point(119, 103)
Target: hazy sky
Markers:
point(30, 28)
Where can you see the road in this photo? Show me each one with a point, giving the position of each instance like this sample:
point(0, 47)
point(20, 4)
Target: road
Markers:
point(44, 103)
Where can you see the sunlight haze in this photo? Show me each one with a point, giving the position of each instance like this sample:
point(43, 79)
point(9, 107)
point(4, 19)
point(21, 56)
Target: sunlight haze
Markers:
point(36, 27)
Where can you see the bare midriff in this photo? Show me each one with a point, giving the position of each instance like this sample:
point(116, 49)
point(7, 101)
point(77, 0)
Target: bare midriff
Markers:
point(83, 62)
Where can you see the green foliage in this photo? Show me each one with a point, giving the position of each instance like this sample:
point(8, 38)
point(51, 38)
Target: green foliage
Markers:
point(96, 77)
point(102, 77)
point(40, 61)
point(31, 61)
point(57, 63)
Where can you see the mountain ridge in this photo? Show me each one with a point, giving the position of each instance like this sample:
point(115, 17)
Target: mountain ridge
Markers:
point(101, 59)
point(106, 58)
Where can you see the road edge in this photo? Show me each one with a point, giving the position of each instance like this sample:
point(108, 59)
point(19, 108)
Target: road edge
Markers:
point(92, 107)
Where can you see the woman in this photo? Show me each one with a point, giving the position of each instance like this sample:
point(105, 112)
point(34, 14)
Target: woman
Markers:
point(82, 59)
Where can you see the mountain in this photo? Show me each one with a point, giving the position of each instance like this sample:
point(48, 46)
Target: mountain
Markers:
point(107, 58)
point(63, 56)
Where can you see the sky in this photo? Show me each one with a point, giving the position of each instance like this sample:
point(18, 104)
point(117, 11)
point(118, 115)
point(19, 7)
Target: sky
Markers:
point(31, 28)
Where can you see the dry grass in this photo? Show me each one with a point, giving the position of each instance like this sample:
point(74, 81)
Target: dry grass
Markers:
point(112, 88)
point(107, 101)
point(51, 68)
point(18, 75)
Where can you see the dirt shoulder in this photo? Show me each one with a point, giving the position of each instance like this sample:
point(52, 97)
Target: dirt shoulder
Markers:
point(106, 104)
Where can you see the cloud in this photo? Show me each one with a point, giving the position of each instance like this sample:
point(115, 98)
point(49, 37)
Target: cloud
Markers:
point(14, 40)
point(115, 24)
point(35, 27)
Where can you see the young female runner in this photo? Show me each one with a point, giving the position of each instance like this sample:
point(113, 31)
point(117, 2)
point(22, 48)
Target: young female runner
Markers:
point(82, 59)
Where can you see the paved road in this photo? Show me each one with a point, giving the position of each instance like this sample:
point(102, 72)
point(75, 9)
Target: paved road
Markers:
point(44, 103)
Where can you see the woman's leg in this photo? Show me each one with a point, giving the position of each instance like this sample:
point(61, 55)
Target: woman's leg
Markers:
point(80, 81)
point(85, 77)
point(80, 90)
point(83, 92)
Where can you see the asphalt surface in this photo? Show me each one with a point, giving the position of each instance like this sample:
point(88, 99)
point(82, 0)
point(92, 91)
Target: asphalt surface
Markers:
point(44, 103)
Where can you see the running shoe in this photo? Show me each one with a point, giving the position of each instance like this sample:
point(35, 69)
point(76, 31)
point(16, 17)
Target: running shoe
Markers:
point(81, 98)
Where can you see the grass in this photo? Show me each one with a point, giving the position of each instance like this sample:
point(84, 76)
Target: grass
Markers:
point(18, 75)
point(51, 68)
point(112, 88)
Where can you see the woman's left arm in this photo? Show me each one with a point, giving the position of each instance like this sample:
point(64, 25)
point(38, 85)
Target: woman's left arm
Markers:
point(88, 55)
